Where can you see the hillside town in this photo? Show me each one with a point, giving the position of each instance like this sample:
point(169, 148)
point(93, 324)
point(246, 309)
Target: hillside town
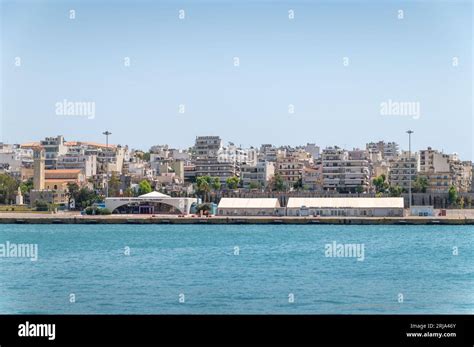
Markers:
point(59, 174)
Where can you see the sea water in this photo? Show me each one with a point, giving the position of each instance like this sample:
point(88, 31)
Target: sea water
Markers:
point(223, 269)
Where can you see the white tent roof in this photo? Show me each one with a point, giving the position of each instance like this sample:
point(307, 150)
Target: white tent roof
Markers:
point(154, 195)
point(346, 202)
point(248, 203)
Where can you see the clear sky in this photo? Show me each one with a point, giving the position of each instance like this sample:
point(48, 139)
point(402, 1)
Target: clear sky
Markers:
point(282, 62)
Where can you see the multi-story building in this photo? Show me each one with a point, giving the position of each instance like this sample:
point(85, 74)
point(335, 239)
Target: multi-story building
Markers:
point(443, 171)
point(179, 154)
point(257, 175)
point(168, 166)
point(388, 150)
point(313, 177)
point(110, 159)
point(212, 159)
point(404, 168)
point(53, 148)
point(268, 153)
point(159, 152)
point(77, 159)
point(344, 173)
point(214, 168)
point(189, 173)
point(207, 147)
point(433, 161)
point(290, 170)
point(313, 150)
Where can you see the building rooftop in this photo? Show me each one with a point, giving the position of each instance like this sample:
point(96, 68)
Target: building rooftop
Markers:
point(346, 202)
point(249, 203)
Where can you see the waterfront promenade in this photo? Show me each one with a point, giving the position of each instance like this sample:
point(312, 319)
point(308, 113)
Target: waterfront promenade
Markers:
point(454, 217)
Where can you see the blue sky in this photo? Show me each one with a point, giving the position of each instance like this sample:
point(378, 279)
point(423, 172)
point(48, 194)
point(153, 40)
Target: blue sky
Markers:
point(282, 62)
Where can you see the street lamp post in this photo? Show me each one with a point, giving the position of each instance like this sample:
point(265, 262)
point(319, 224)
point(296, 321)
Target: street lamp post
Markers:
point(409, 132)
point(107, 133)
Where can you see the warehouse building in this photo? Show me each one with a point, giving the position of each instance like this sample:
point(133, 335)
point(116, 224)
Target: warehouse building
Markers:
point(249, 207)
point(353, 207)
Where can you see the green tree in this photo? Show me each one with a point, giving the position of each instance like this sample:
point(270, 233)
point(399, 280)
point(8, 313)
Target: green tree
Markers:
point(26, 186)
point(254, 185)
point(420, 185)
point(277, 183)
point(86, 197)
point(41, 205)
point(298, 185)
point(203, 186)
point(144, 187)
point(114, 184)
point(8, 188)
point(359, 189)
point(216, 183)
point(395, 191)
point(232, 182)
point(380, 184)
point(452, 195)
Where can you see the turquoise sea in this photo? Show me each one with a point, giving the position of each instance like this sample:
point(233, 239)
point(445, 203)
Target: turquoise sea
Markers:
point(237, 269)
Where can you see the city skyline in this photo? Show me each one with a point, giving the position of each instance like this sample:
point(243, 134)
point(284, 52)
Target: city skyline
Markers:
point(320, 76)
point(402, 147)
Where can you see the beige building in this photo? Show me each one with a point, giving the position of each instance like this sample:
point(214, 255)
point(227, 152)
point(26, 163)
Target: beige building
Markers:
point(404, 168)
point(443, 171)
point(257, 175)
point(313, 177)
point(248, 207)
point(51, 185)
point(290, 170)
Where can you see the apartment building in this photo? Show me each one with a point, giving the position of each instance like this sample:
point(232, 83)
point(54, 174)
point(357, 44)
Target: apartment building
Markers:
point(211, 158)
point(443, 171)
point(403, 168)
point(345, 171)
point(53, 148)
point(257, 175)
point(312, 177)
point(290, 170)
point(388, 150)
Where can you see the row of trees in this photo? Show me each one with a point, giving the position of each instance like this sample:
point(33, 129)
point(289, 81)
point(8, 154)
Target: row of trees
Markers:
point(419, 185)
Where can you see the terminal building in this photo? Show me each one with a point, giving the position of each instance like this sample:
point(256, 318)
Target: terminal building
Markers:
point(151, 203)
point(324, 207)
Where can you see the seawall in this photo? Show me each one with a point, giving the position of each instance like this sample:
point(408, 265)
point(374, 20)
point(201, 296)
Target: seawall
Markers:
point(54, 219)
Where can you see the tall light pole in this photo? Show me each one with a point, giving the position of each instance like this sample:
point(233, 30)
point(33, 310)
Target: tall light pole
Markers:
point(107, 133)
point(409, 132)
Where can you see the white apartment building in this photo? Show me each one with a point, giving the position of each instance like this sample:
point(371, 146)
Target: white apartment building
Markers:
point(14, 157)
point(344, 173)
